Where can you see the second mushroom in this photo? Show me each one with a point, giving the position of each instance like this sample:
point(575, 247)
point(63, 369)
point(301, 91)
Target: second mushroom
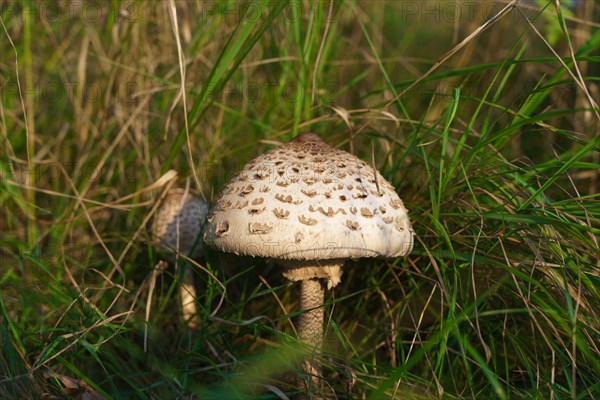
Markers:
point(176, 228)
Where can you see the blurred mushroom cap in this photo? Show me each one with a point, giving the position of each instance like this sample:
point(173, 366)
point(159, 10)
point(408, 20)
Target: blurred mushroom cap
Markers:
point(177, 224)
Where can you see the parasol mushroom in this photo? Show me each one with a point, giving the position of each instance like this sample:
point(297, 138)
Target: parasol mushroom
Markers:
point(310, 207)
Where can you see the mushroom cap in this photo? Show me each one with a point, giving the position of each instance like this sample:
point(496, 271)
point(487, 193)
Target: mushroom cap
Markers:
point(178, 223)
point(305, 200)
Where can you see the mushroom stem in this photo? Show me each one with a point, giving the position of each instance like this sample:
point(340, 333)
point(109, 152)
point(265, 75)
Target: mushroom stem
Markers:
point(312, 296)
point(310, 323)
point(187, 292)
point(312, 277)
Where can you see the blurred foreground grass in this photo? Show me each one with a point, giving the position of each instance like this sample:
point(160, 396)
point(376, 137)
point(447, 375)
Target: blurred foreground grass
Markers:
point(494, 150)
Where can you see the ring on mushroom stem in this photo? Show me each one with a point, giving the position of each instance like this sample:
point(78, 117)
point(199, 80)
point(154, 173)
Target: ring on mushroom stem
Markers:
point(310, 207)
